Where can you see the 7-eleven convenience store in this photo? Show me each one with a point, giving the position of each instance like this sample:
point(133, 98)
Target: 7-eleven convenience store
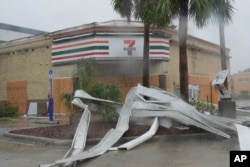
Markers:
point(118, 51)
point(117, 47)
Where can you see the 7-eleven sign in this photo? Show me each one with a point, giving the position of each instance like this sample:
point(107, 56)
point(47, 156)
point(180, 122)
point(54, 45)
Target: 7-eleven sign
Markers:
point(130, 46)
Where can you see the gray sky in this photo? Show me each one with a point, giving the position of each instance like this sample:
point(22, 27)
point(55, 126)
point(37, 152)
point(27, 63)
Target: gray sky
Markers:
point(53, 15)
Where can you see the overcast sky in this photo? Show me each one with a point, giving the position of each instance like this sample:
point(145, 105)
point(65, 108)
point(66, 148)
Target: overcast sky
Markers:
point(53, 15)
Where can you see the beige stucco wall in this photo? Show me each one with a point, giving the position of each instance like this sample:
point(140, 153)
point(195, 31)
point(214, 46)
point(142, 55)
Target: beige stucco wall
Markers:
point(28, 59)
point(203, 59)
point(241, 83)
point(64, 71)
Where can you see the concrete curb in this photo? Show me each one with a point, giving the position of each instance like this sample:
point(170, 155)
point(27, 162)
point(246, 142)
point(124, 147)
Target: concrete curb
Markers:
point(34, 139)
point(67, 142)
point(54, 142)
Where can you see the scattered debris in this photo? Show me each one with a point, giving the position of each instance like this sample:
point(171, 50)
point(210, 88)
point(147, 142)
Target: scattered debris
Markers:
point(244, 137)
point(158, 109)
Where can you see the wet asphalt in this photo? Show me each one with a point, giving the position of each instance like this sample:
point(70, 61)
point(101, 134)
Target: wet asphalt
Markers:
point(172, 151)
point(203, 150)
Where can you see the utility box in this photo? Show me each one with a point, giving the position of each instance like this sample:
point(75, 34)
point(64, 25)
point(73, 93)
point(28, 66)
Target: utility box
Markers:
point(227, 107)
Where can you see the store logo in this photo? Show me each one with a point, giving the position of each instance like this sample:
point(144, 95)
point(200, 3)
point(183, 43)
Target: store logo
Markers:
point(130, 46)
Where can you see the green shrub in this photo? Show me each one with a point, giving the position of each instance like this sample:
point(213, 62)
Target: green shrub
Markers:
point(8, 110)
point(109, 92)
point(204, 107)
point(66, 99)
point(83, 79)
point(100, 90)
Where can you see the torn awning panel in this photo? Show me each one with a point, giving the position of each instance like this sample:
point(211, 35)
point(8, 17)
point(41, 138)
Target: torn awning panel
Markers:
point(160, 106)
point(244, 137)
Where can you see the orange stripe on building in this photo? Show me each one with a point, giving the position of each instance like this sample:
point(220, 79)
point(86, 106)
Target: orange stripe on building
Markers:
point(80, 44)
point(157, 41)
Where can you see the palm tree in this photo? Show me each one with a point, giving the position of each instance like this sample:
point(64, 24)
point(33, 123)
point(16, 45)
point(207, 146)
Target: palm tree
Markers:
point(201, 12)
point(148, 12)
point(152, 13)
point(222, 14)
point(183, 64)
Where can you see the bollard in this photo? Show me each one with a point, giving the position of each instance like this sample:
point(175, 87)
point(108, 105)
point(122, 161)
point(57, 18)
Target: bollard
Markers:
point(51, 108)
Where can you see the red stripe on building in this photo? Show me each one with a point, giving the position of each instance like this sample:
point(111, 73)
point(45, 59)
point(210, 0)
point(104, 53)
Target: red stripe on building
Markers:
point(158, 53)
point(80, 44)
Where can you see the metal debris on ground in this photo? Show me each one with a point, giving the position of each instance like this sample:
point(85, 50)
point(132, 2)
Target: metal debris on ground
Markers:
point(158, 109)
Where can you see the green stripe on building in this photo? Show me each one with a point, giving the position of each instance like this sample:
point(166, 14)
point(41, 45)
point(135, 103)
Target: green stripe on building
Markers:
point(90, 48)
point(158, 47)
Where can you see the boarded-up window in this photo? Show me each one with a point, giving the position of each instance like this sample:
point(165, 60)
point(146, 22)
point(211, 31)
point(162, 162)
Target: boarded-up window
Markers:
point(17, 95)
point(60, 86)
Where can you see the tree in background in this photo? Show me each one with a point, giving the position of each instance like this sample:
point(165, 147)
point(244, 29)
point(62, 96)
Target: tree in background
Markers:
point(160, 13)
point(201, 12)
point(151, 14)
point(222, 12)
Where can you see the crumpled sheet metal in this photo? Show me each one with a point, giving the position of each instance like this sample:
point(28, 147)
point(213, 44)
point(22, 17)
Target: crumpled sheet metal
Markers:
point(112, 136)
point(137, 141)
point(80, 137)
point(185, 110)
point(244, 137)
point(182, 119)
point(160, 107)
point(79, 140)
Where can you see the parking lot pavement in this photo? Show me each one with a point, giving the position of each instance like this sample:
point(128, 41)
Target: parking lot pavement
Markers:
point(172, 151)
point(204, 150)
point(27, 155)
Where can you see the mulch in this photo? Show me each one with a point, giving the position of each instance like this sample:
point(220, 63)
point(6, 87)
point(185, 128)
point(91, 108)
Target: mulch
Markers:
point(98, 129)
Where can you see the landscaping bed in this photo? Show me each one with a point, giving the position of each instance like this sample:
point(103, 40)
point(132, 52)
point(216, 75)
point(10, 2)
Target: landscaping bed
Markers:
point(98, 129)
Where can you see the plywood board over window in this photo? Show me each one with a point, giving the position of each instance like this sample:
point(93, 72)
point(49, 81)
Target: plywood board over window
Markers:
point(60, 86)
point(17, 95)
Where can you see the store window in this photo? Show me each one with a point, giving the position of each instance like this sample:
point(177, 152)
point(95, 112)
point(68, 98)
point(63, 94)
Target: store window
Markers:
point(193, 92)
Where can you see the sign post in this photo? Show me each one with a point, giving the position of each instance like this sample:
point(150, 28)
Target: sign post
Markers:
point(227, 107)
point(51, 102)
point(220, 84)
